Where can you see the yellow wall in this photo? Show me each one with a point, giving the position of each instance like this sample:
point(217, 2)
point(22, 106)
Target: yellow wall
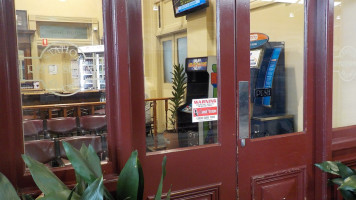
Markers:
point(200, 30)
point(344, 79)
point(76, 11)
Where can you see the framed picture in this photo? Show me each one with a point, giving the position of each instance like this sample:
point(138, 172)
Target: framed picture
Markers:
point(21, 19)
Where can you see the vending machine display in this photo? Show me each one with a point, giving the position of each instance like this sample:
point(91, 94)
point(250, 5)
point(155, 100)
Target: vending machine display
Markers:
point(268, 88)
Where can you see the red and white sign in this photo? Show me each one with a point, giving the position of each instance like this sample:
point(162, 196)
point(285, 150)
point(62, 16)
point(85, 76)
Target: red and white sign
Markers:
point(44, 42)
point(204, 110)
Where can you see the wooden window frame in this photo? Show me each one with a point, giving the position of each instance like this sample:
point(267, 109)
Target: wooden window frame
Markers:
point(117, 42)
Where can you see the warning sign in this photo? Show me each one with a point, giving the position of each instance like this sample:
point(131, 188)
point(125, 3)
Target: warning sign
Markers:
point(204, 110)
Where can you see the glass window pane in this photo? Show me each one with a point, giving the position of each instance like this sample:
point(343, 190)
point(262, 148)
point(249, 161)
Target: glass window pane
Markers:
point(344, 76)
point(167, 61)
point(276, 65)
point(182, 50)
point(181, 103)
point(62, 75)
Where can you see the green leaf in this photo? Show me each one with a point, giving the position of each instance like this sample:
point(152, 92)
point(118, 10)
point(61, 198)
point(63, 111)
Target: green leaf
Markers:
point(26, 197)
point(129, 179)
point(329, 167)
point(349, 184)
point(160, 186)
point(95, 191)
point(348, 195)
point(344, 170)
point(169, 193)
point(61, 195)
point(80, 164)
point(44, 178)
point(7, 191)
point(337, 181)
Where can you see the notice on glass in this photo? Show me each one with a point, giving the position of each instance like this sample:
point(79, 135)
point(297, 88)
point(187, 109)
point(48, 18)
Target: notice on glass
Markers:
point(204, 110)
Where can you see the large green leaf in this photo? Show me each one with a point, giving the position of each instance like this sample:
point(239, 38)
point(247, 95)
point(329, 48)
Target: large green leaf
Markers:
point(94, 191)
point(80, 164)
point(344, 170)
point(26, 197)
point(349, 184)
point(44, 178)
point(348, 195)
point(329, 166)
point(7, 191)
point(94, 161)
point(129, 179)
point(160, 186)
point(60, 195)
point(337, 181)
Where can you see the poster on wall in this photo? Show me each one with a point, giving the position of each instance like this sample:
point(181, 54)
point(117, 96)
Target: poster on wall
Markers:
point(204, 110)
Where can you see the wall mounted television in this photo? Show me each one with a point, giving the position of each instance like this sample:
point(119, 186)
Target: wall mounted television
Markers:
point(183, 7)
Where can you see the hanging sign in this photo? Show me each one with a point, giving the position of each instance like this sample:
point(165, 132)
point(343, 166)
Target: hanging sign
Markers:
point(204, 110)
point(258, 40)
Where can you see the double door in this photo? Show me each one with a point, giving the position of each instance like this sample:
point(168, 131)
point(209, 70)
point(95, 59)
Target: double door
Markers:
point(264, 132)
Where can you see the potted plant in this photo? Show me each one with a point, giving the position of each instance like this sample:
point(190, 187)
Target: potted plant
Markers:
point(178, 90)
point(346, 179)
point(89, 179)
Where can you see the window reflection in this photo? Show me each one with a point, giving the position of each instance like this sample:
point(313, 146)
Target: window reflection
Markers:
point(180, 66)
point(62, 77)
point(276, 66)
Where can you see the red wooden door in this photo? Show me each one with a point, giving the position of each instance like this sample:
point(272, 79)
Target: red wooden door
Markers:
point(196, 172)
point(275, 145)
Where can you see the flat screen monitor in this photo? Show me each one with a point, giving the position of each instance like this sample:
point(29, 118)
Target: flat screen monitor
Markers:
point(196, 64)
point(183, 7)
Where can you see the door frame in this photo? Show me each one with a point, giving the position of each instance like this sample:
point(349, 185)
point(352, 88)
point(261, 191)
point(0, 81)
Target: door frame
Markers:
point(310, 95)
point(199, 157)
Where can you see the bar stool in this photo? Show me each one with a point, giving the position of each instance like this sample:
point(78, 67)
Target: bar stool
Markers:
point(32, 129)
point(62, 126)
point(78, 141)
point(41, 150)
point(93, 123)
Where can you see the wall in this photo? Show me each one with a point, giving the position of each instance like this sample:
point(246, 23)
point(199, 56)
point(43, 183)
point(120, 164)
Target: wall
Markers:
point(77, 11)
point(276, 22)
point(344, 77)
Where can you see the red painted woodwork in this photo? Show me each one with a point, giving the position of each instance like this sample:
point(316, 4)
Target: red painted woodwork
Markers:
point(323, 92)
point(118, 100)
point(286, 184)
point(281, 153)
point(210, 192)
point(197, 166)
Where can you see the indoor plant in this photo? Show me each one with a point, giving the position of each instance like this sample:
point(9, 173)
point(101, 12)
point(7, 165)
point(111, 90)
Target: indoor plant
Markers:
point(178, 91)
point(346, 180)
point(89, 179)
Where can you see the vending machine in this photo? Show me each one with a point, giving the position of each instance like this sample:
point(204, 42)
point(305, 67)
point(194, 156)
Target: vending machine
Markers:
point(268, 88)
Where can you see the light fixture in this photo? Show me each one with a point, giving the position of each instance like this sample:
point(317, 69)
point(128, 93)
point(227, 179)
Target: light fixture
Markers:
point(286, 1)
point(155, 8)
point(338, 17)
point(291, 14)
point(336, 3)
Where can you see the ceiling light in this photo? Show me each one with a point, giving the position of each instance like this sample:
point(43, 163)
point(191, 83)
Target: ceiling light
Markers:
point(337, 3)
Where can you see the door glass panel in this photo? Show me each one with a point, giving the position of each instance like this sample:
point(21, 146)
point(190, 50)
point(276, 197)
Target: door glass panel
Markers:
point(276, 66)
point(62, 77)
point(181, 99)
point(344, 76)
point(167, 61)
